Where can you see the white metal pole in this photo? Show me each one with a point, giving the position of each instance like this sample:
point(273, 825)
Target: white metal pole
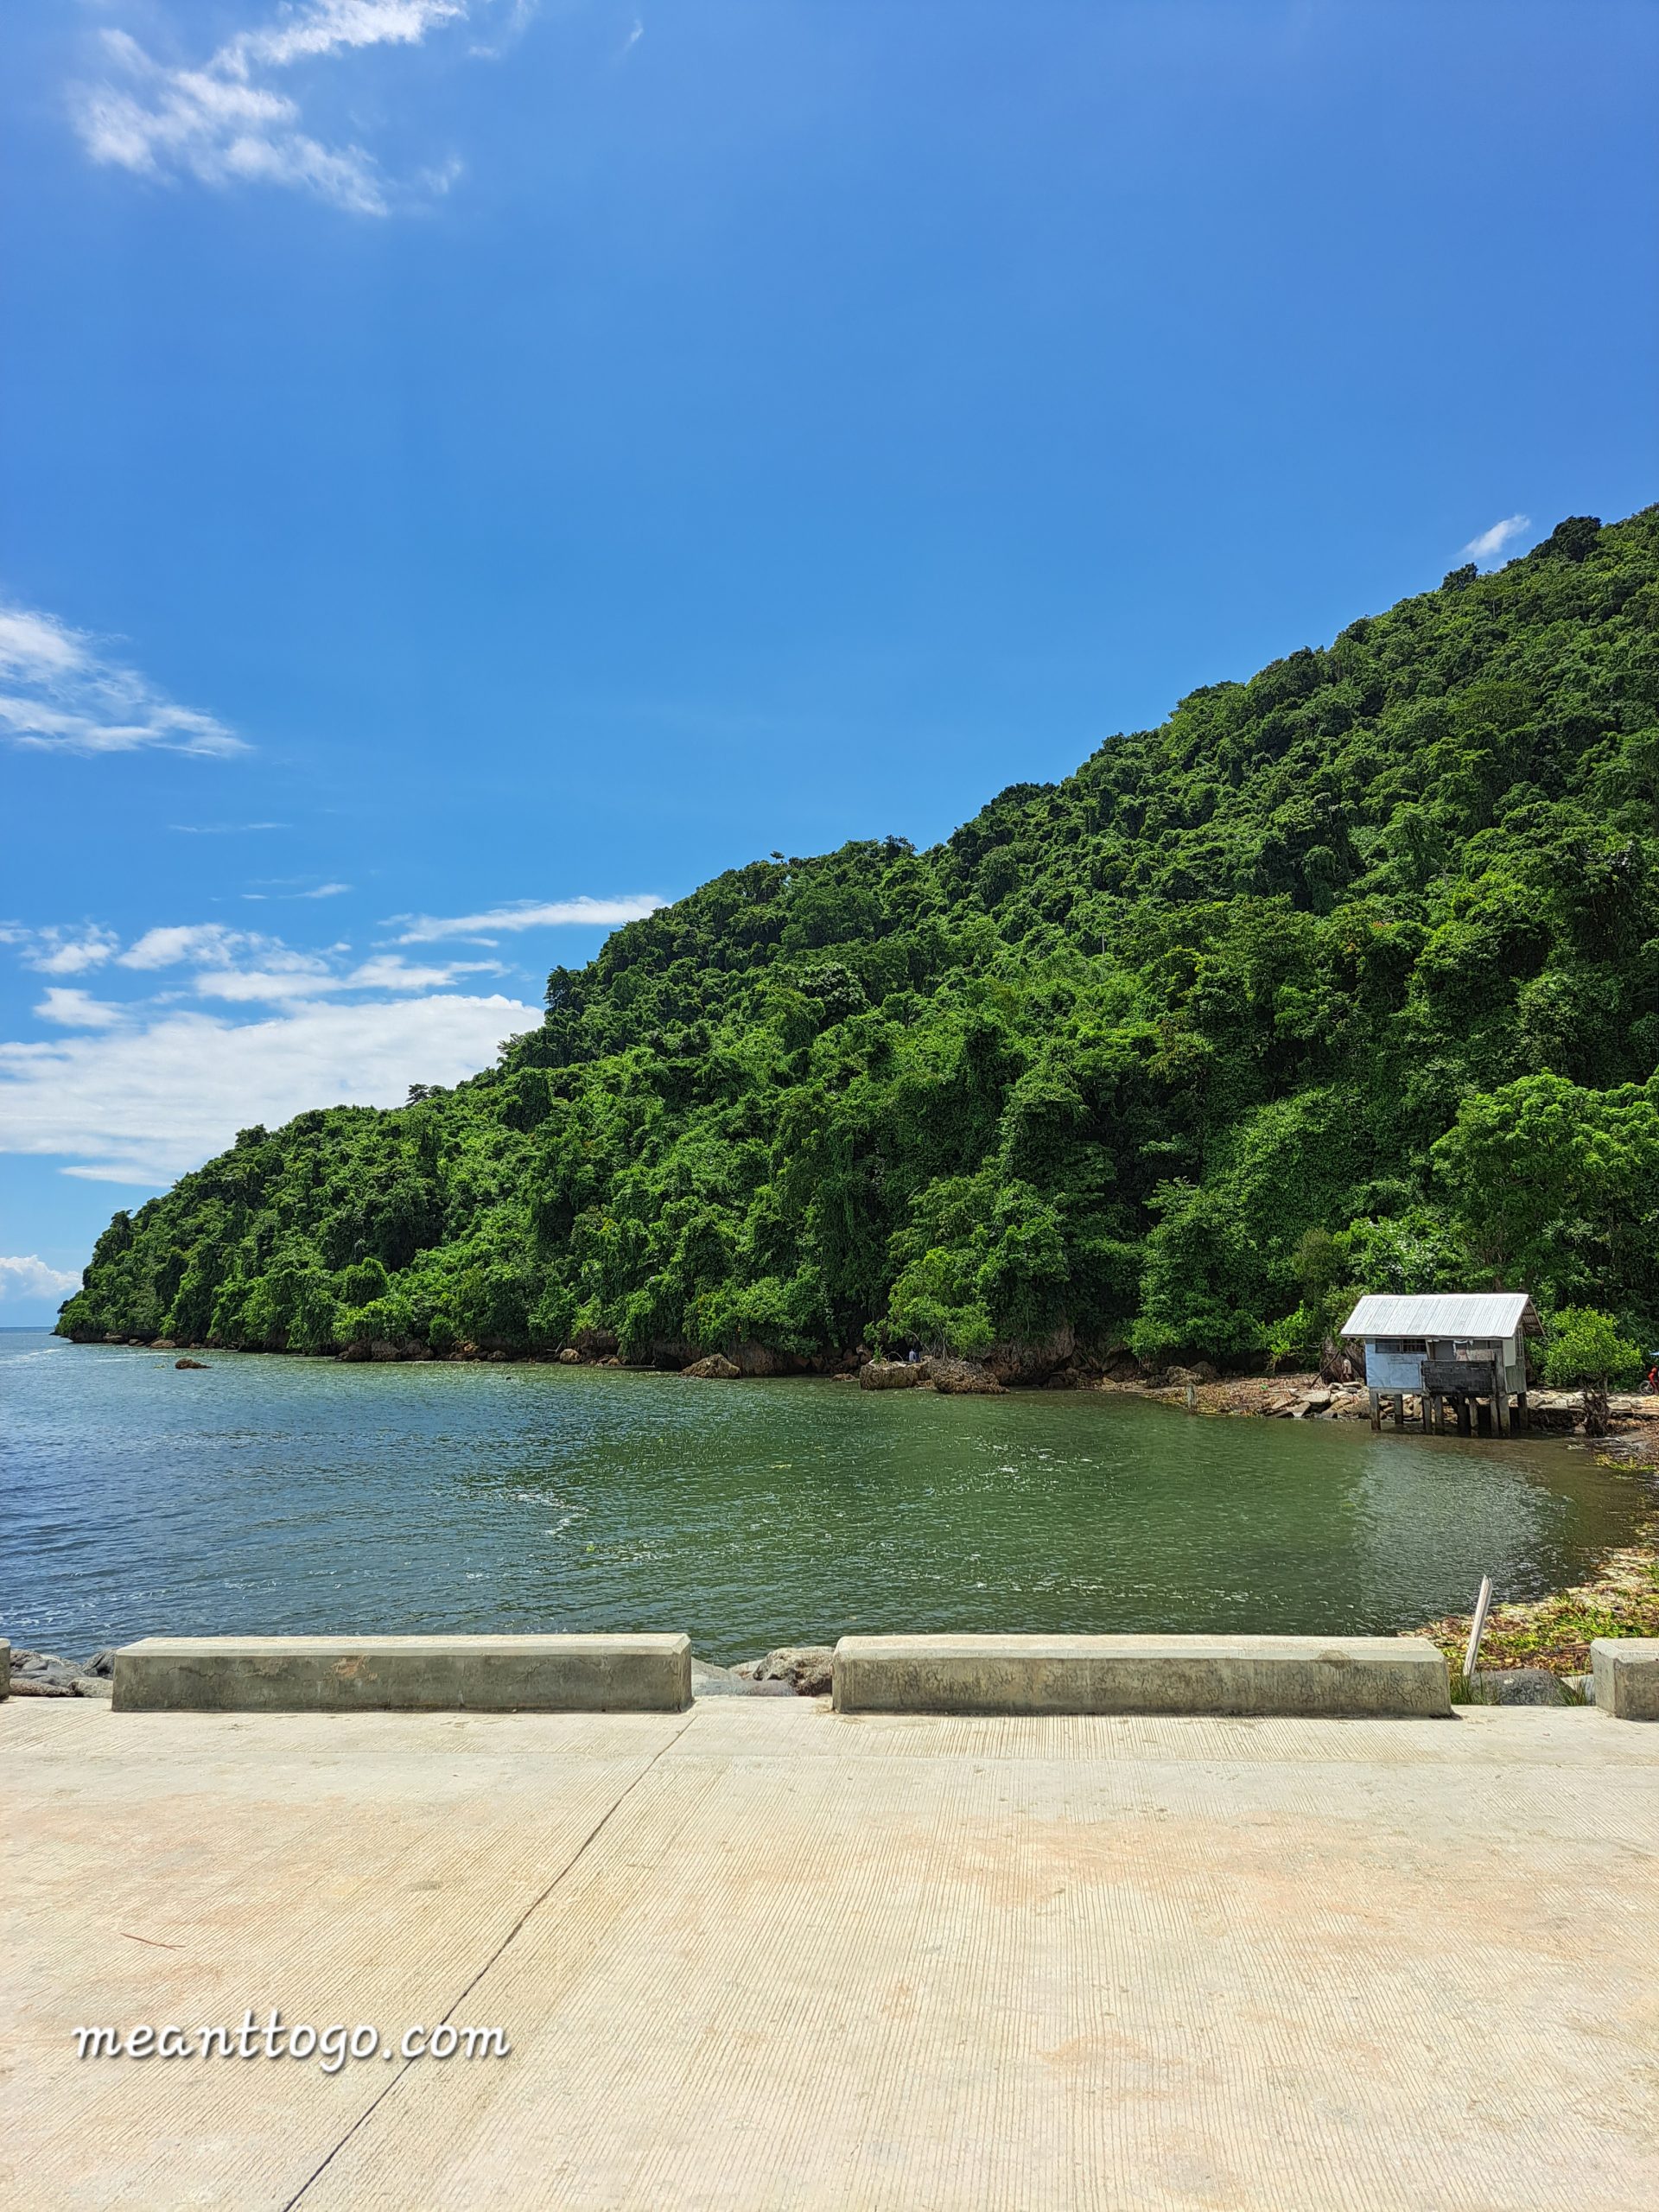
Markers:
point(1477, 1627)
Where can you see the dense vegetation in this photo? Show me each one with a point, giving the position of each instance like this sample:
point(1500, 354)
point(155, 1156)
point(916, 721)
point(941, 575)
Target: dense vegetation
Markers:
point(1349, 974)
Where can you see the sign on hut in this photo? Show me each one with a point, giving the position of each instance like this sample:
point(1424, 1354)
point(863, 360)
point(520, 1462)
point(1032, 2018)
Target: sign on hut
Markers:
point(1464, 1350)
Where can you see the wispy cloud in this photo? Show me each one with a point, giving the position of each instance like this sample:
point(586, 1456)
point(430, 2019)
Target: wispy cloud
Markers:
point(225, 122)
point(1491, 542)
point(221, 829)
point(202, 941)
point(243, 966)
point(528, 914)
point(59, 950)
point(286, 890)
point(28, 1276)
point(300, 975)
point(58, 691)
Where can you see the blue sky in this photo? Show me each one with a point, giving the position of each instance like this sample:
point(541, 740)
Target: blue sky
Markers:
point(470, 468)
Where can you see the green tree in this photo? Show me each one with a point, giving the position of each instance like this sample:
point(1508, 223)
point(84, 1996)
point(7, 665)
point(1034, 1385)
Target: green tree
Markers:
point(1584, 1347)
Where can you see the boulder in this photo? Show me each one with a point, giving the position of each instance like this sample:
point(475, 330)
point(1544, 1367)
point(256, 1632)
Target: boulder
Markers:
point(200, 1363)
point(709, 1681)
point(888, 1375)
point(47, 1674)
point(716, 1368)
point(1518, 1685)
point(805, 1669)
point(964, 1378)
point(1030, 1363)
point(569, 1356)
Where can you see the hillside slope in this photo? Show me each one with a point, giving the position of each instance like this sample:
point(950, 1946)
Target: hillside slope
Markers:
point(1347, 972)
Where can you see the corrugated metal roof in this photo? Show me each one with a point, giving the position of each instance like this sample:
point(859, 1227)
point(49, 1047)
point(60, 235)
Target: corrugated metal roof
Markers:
point(1444, 1313)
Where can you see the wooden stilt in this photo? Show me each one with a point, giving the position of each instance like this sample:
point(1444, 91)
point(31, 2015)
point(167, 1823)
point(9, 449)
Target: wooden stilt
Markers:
point(1376, 1403)
point(1464, 1423)
point(1399, 1409)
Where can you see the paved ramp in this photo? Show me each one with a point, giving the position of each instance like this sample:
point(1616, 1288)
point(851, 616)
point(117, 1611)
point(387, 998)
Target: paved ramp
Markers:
point(761, 1956)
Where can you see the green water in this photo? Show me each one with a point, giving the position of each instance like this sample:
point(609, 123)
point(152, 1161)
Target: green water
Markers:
point(291, 1494)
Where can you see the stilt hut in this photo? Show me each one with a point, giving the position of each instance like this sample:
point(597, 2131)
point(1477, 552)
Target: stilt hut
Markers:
point(1461, 1351)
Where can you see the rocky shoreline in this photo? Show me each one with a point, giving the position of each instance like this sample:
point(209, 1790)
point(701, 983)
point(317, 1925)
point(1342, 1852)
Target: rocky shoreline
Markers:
point(1553, 1635)
point(1056, 1365)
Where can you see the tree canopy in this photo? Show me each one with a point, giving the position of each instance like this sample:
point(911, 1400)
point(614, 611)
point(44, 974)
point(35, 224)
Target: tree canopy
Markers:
point(1365, 949)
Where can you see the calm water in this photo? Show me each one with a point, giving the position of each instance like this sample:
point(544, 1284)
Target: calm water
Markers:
point(273, 1494)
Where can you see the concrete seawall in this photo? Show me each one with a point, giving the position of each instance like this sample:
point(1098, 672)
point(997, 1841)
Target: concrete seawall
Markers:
point(481, 1674)
point(1627, 1676)
point(1381, 1677)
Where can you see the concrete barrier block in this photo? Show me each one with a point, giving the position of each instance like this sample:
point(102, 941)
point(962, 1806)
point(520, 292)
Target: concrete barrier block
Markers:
point(1627, 1676)
point(421, 1674)
point(1379, 1676)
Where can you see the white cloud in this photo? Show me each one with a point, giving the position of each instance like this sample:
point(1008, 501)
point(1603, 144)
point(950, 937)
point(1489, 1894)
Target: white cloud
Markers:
point(144, 1102)
point(224, 123)
point(1491, 542)
point(56, 690)
point(200, 941)
point(524, 914)
point(73, 1009)
point(234, 966)
point(28, 1276)
point(57, 950)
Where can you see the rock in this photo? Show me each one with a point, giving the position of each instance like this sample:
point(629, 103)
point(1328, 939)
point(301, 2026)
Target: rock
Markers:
point(1065, 1380)
point(47, 1674)
point(43, 1667)
point(569, 1356)
point(709, 1681)
point(888, 1375)
point(1201, 1371)
point(103, 1663)
point(1316, 1400)
point(1028, 1364)
point(1518, 1685)
point(964, 1378)
point(803, 1668)
point(716, 1368)
point(200, 1363)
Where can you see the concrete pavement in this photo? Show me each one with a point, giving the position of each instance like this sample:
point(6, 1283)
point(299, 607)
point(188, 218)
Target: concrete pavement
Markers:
point(759, 1956)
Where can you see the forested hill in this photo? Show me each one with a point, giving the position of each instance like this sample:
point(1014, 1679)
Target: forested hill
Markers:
point(1349, 974)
